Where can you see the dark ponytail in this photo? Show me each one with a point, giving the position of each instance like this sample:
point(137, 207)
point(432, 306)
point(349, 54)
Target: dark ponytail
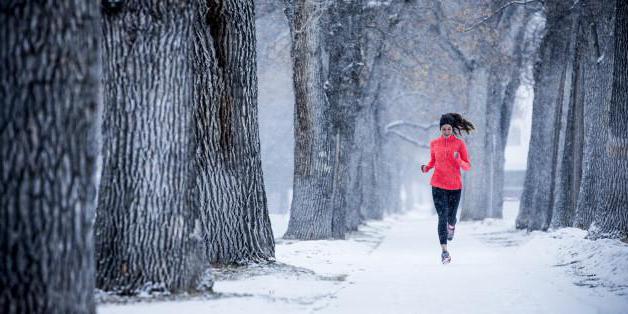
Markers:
point(457, 122)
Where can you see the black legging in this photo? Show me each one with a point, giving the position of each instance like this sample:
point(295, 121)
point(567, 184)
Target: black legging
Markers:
point(446, 203)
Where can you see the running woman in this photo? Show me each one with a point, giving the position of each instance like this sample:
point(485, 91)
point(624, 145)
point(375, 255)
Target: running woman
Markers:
point(448, 155)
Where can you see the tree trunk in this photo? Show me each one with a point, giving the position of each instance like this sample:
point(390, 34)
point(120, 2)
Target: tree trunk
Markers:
point(366, 196)
point(351, 94)
point(232, 196)
point(147, 232)
point(569, 167)
point(612, 218)
point(580, 158)
point(315, 145)
point(367, 200)
point(535, 210)
point(182, 184)
point(345, 45)
point(597, 67)
point(475, 194)
point(369, 195)
point(500, 105)
point(50, 142)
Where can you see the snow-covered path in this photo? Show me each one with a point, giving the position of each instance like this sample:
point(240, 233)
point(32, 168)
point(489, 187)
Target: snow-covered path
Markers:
point(393, 266)
point(404, 276)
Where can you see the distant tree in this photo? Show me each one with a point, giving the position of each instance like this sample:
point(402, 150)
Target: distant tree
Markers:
point(371, 192)
point(337, 167)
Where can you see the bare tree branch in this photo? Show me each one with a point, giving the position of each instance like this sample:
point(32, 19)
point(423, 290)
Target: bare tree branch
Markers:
point(484, 20)
point(446, 43)
point(408, 139)
point(388, 129)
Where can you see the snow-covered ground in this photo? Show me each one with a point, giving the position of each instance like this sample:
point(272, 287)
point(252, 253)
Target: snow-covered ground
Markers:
point(393, 266)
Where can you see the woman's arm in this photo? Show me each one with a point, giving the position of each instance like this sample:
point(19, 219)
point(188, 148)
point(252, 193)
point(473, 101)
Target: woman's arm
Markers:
point(430, 165)
point(463, 157)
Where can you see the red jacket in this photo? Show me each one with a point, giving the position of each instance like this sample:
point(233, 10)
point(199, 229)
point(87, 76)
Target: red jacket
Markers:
point(447, 168)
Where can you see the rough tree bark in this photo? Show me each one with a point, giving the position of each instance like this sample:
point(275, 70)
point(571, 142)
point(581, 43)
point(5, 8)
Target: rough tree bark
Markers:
point(182, 183)
point(232, 196)
point(147, 233)
point(50, 142)
point(611, 220)
point(597, 68)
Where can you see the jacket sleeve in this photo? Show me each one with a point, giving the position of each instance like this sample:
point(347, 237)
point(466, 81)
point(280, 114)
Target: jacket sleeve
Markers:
point(430, 165)
point(463, 157)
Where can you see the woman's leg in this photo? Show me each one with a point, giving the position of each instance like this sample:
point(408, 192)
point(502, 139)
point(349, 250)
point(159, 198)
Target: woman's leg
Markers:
point(440, 202)
point(453, 199)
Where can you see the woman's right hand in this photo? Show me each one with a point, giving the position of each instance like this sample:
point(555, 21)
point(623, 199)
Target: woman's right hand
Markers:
point(423, 169)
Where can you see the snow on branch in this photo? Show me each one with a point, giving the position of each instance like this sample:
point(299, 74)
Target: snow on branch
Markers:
point(413, 124)
point(388, 129)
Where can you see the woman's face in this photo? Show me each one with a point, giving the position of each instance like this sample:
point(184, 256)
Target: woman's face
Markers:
point(446, 130)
